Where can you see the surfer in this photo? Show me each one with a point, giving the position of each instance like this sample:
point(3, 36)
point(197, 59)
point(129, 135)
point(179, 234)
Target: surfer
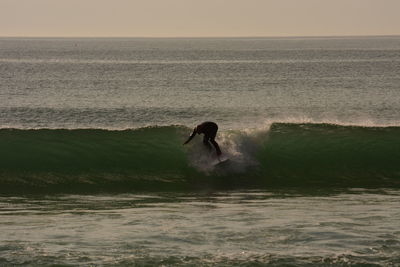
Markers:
point(209, 129)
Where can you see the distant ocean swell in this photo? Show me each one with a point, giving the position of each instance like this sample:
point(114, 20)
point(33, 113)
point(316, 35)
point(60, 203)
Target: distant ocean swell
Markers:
point(154, 159)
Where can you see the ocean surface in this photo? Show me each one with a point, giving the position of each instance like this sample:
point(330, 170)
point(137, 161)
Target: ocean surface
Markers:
point(93, 171)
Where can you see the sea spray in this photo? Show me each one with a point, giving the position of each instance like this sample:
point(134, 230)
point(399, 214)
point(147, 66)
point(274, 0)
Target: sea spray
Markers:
point(240, 147)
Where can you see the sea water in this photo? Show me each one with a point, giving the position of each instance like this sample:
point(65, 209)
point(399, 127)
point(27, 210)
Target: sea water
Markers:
point(93, 170)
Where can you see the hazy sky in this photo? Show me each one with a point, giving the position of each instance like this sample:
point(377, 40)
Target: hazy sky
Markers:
point(168, 18)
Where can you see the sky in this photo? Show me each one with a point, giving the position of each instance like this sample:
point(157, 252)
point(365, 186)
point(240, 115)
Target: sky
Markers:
point(198, 18)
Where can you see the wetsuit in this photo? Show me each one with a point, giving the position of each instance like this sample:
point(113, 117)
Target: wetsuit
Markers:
point(209, 129)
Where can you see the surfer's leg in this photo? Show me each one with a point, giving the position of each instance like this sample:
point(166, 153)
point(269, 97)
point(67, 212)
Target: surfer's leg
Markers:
point(216, 146)
point(206, 143)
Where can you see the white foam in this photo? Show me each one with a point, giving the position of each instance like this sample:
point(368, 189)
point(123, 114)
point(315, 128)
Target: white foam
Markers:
point(240, 147)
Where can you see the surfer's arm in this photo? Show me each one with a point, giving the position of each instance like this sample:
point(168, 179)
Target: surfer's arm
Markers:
point(191, 137)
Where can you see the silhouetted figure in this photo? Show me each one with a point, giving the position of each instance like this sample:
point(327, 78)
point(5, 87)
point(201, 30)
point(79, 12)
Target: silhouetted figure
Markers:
point(209, 129)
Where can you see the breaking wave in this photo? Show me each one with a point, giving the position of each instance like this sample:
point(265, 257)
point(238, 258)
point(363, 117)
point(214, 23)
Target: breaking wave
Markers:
point(154, 159)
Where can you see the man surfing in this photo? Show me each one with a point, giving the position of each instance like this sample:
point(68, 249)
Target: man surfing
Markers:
point(209, 129)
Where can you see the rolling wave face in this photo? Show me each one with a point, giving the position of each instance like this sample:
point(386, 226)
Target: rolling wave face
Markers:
point(332, 154)
point(153, 159)
point(86, 159)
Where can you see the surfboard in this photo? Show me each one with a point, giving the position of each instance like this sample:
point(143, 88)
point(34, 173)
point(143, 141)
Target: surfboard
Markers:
point(219, 160)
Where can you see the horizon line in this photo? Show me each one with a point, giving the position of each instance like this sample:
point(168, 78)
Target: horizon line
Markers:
point(207, 37)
